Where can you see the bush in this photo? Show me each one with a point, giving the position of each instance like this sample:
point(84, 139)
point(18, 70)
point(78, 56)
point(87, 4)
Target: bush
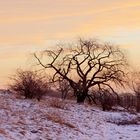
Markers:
point(64, 88)
point(124, 118)
point(30, 84)
point(105, 98)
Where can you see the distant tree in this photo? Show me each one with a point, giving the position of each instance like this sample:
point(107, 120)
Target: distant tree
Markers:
point(105, 98)
point(64, 88)
point(136, 88)
point(85, 65)
point(29, 84)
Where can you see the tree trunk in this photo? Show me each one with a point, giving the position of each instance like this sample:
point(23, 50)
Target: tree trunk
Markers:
point(81, 98)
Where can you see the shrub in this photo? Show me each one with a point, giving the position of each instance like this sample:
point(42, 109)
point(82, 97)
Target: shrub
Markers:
point(105, 98)
point(30, 84)
point(64, 88)
point(124, 119)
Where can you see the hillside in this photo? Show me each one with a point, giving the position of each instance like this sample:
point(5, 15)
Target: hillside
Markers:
point(51, 119)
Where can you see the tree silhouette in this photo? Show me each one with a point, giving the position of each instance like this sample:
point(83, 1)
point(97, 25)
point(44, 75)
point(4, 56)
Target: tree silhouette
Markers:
point(136, 88)
point(85, 65)
point(29, 84)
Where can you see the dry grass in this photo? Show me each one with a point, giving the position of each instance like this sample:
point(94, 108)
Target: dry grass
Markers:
point(57, 103)
point(126, 122)
point(57, 118)
point(2, 131)
point(134, 121)
point(69, 125)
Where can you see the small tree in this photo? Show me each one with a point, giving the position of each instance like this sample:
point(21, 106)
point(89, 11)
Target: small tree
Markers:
point(137, 92)
point(105, 98)
point(136, 89)
point(64, 88)
point(29, 84)
point(85, 65)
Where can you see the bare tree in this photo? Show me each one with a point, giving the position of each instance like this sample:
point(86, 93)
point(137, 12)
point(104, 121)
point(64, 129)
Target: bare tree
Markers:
point(85, 65)
point(136, 88)
point(64, 87)
point(29, 84)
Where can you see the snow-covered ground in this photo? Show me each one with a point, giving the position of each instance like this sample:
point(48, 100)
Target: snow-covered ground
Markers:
point(51, 120)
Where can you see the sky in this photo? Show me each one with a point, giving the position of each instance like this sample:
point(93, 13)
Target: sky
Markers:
point(27, 26)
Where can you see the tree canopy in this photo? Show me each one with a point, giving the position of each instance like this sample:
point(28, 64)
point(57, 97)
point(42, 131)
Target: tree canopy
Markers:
point(86, 64)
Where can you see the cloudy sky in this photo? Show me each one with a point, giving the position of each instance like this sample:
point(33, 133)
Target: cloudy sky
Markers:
point(29, 25)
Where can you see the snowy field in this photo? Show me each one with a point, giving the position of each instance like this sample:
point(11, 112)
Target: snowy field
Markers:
point(51, 120)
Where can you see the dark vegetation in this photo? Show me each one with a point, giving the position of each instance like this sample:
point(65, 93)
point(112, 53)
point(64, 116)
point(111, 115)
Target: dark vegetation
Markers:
point(87, 71)
point(85, 65)
point(30, 84)
point(136, 89)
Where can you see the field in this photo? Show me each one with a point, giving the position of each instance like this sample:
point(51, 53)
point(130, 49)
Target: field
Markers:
point(54, 119)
